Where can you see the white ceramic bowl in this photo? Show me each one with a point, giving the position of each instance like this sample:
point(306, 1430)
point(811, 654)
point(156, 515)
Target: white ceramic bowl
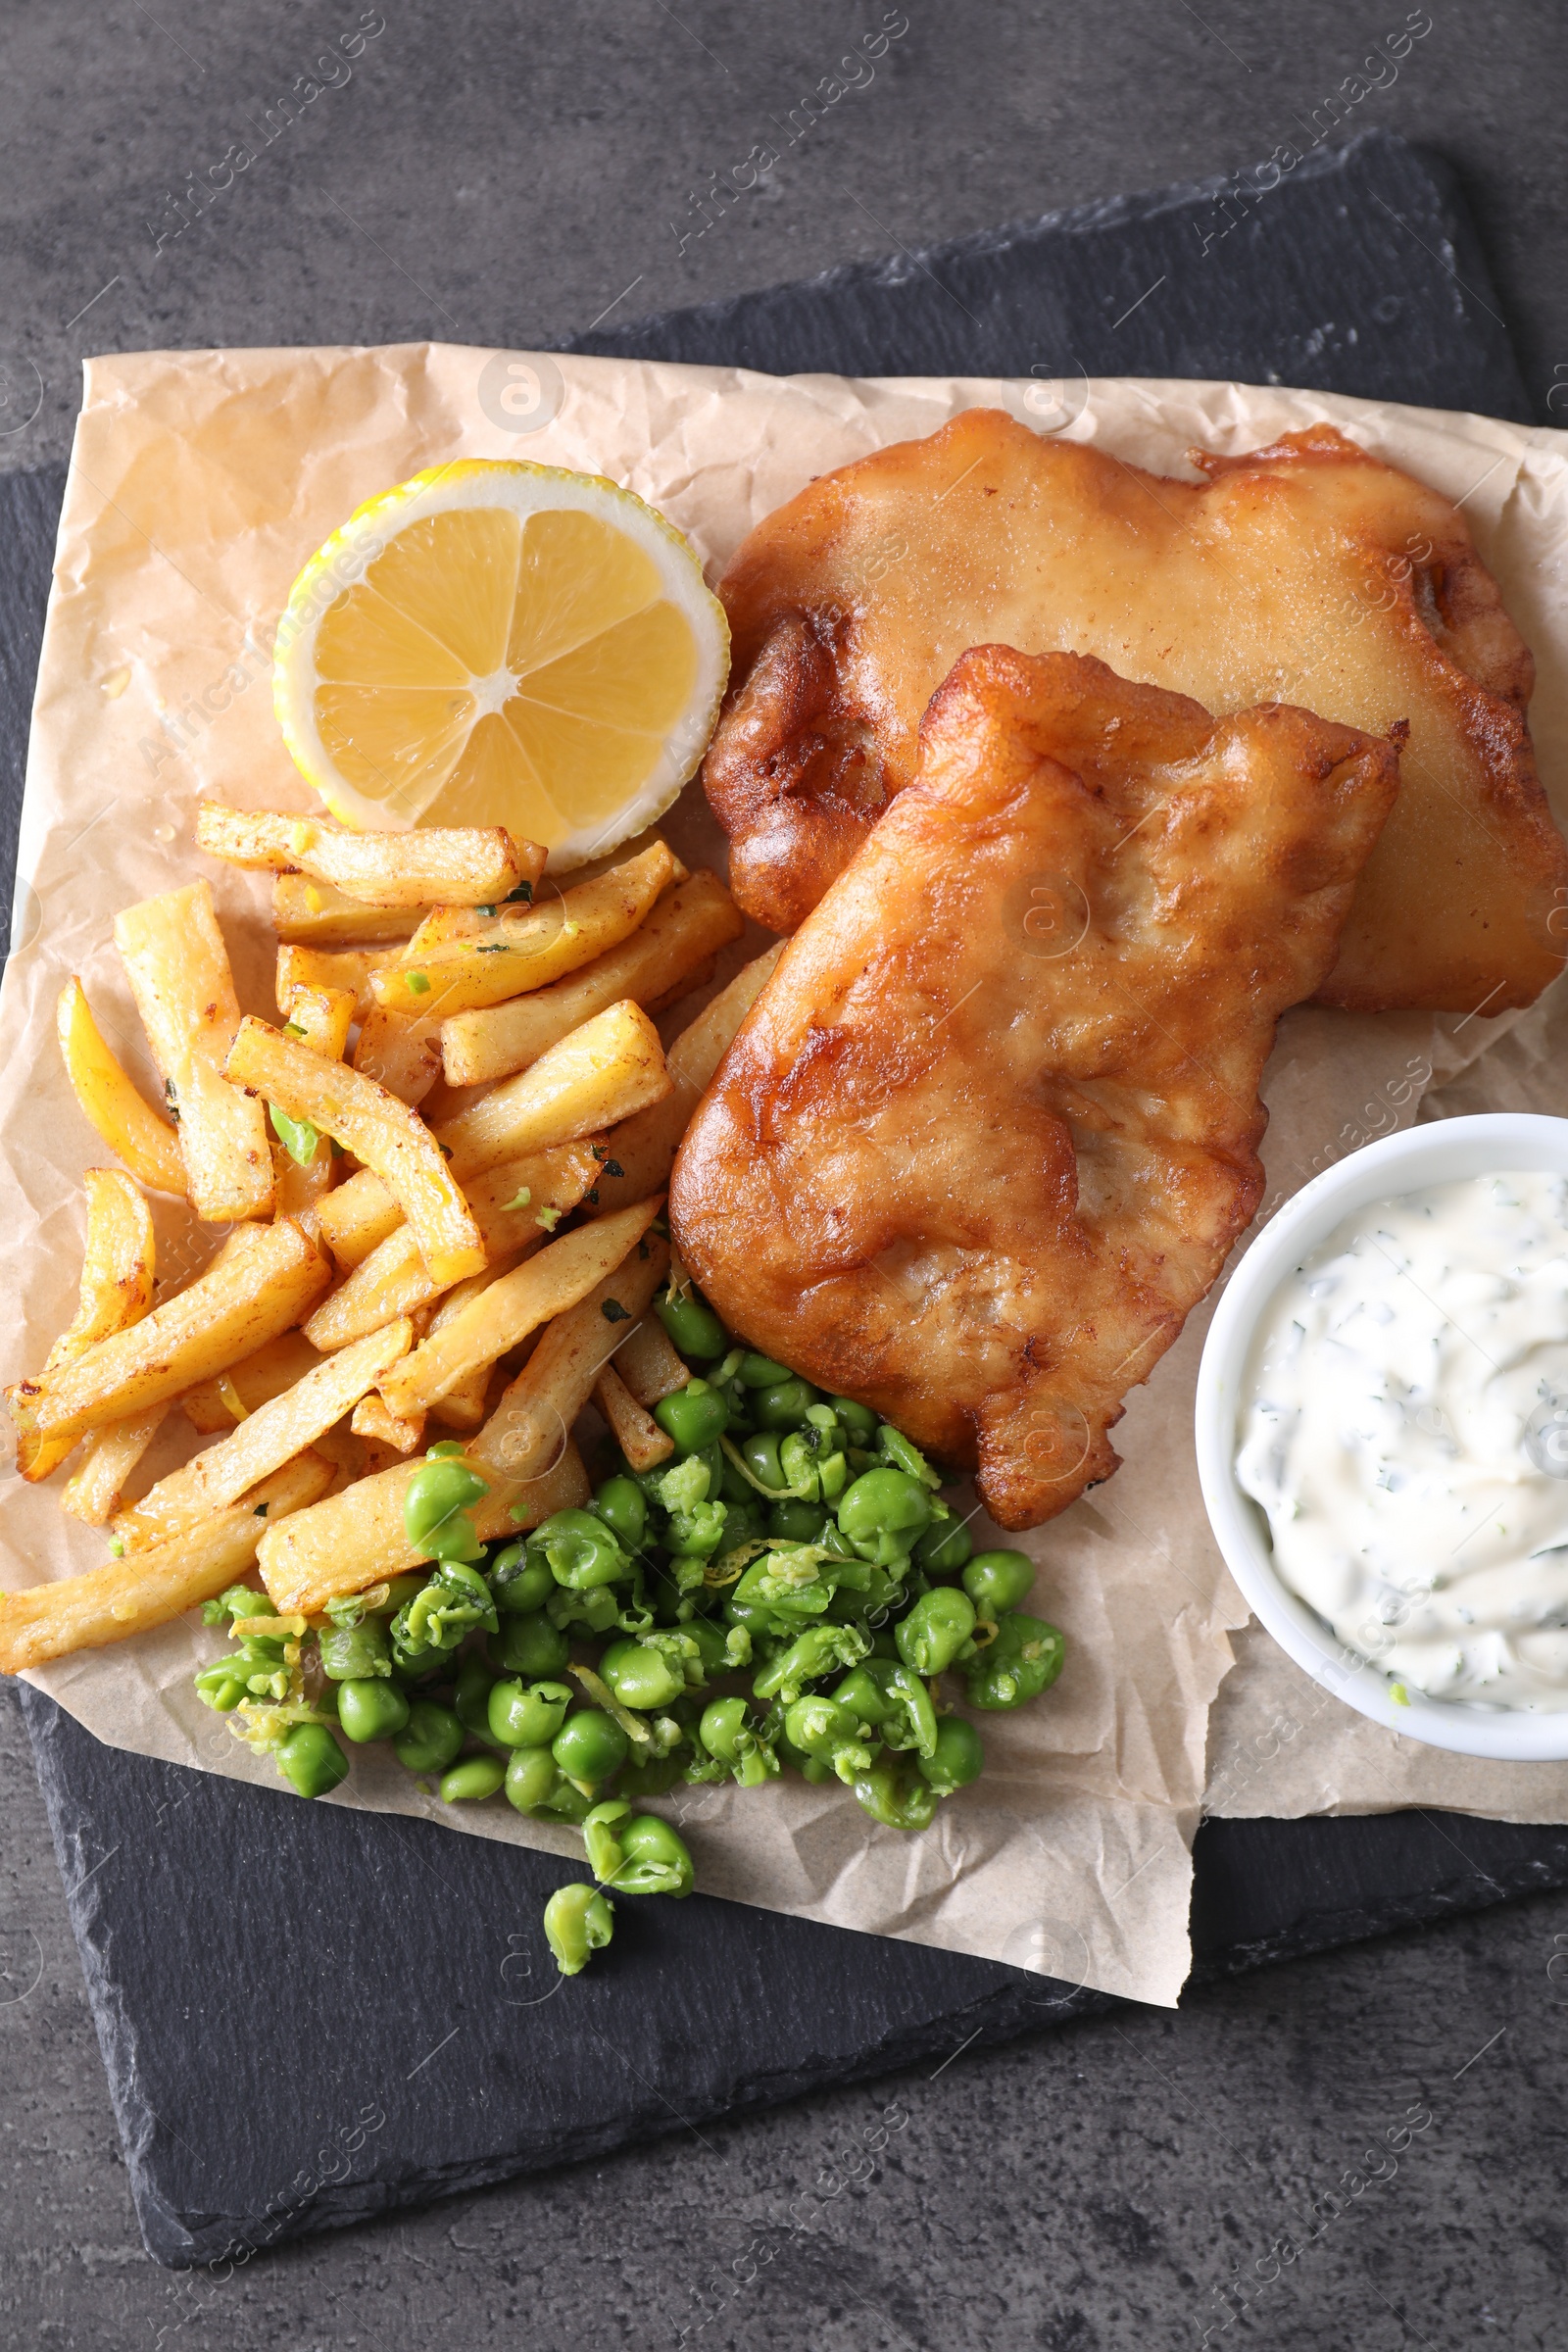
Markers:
point(1444, 1152)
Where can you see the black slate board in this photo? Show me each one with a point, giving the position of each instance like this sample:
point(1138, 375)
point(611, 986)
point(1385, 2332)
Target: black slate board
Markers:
point(309, 2015)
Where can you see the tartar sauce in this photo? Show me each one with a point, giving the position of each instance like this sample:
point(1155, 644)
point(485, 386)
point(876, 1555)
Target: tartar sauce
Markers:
point(1404, 1425)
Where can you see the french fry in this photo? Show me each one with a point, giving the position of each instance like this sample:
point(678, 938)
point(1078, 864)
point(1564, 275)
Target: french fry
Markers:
point(463, 864)
point(602, 1073)
point(463, 1408)
point(149, 1588)
point(356, 1537)
point(401, 1053)
point(319, 1018)
point(372, 1420)
point(506, 1311)
point(348, 970)
point(649, 1365)
point(526, 949)
point(312, 915)
point(108, 1458)
point(376, 1128)
point(358, 1216)
point(644, 1146)
point(177, 966)
point(636, 1432)
point(515, 1206)
point(133, 1131)
point(117, 1267)
point(361, 1212)
point(265, 1279)
point(667, 955)
point(263, 1442)
point(215, 1405)
point(536, 1414)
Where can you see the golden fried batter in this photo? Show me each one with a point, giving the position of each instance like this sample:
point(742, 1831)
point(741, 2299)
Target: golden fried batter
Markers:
point(1306, 572)
point(991, 1127)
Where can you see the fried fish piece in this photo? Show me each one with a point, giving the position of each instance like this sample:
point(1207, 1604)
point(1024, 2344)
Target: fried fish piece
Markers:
point(1306, 572)
point(991, 1129)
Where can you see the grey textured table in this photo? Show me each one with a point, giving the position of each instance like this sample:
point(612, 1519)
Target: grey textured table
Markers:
point(1107, 2186)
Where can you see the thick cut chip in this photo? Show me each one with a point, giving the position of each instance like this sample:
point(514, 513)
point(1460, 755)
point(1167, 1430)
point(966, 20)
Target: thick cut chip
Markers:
point(134, 1594)
point(669, 954)
point(263, 1442)
point(312, 915)
point(991, 1127)
point(262, 1281)
point(505, 1312)
point(525, 950)
point(213, 1405)
point(177, 966)
point(535, 1413)
point(130, 1127)
point(372, 1124)
point(108, 1456)
point(459, 865)
point(1307, 573)
point(118, 1269)
point(356, 1537)
point(611, 1067)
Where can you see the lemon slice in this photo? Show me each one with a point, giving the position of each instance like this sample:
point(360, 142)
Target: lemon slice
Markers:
point(502, 644)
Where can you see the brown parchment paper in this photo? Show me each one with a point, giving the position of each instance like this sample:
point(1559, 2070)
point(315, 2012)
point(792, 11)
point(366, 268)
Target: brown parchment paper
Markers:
point(200, 483)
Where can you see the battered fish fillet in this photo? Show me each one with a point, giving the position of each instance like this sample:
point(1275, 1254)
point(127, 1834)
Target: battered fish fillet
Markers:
point(991, 1129)
point(1306, 572)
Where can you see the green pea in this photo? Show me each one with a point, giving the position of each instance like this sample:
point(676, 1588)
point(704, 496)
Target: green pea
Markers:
point(692, 1324)
point(656, 1777)
point(826, 1728)
point(859, 1419)
point(723, 1722)
point(526, 1715)
point(436, 1505)
point(936, 1628)
point(884, 1513)
point(784, 1405)
point(809, 1768)
point(371, 1710)
point(760, 1372)
point(959, 1757)
point(810, 1655)
point(656, 1860)
point(564, 1803)
point(471, 1697)
point(531, 1646)
point(310, 1760)
point(713, 1649)
point(797, 1521)
point(998, 1581)
point(895, 1797)
point(863, 1696)
point(694, 1416)
point(471, 1780)
point(943, 1548)
point(399, 1589)
point(590, 1746)
point(620, 1503)
point(531, 1775)
point(578, 1922)
point(354, 1653)
point(1024, 1659)
point(760, 1454)
point(640, 1677)
point(582, 1551)
point(432, 1739)
point(520, 1581)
